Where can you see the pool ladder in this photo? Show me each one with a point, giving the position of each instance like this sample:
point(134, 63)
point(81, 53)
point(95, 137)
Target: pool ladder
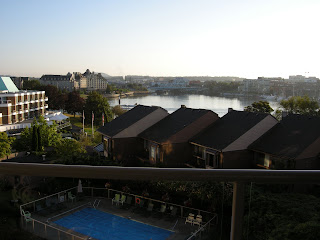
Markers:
point(96, 203)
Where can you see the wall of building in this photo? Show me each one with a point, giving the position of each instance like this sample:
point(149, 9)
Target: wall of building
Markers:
point(238, 159)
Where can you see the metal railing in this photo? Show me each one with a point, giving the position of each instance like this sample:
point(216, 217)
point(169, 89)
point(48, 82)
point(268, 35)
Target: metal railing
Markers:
point(184, 210)
point(48, 231)
point(197, 234)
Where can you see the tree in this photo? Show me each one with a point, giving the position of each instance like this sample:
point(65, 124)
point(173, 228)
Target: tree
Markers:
point(301, 105)
point(56, 98)
point(5, 144)
point(261, 106)
point(32, 85)
point(69, 148)
point(118, 111)
point(99, 105)
point(30, 140)
point(75, 103)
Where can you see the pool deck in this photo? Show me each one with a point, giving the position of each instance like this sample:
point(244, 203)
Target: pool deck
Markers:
point(164, 221)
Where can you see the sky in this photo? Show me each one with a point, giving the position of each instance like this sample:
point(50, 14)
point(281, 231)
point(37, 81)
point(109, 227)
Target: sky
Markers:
point(247, 38)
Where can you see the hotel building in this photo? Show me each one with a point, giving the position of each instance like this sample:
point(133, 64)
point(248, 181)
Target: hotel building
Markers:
point(17, 106)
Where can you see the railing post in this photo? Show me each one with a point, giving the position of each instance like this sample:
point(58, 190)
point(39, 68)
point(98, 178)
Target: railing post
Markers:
point(237, 210)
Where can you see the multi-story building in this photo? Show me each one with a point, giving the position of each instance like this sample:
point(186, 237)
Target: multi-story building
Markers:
point(95, 81)
point(68, 82)
point(16, 105)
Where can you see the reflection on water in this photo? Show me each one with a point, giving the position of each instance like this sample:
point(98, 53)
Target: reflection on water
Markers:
point(219, 105)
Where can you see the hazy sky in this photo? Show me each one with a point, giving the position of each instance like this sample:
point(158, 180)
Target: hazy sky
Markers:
point(161, 38)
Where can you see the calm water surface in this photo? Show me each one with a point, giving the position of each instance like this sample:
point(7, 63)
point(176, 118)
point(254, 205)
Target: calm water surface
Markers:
point(219, 105)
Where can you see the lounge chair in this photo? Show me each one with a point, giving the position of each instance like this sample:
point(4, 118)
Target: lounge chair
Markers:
point(198, 220)
point(26, 215)
point(116, 199)
point(71, 196)
point(190, 219)
point(123, 199)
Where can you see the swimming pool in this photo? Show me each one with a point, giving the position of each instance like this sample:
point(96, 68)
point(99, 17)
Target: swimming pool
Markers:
point(105, 226)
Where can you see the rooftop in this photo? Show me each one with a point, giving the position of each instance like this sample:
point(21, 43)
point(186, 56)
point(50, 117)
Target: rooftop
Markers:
point(7, 85)
point(228, 128)
point(172, 124)
point(290, 137)
point(126, 120)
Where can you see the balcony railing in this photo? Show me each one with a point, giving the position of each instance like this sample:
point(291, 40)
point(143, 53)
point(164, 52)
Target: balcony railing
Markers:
point(5, 101)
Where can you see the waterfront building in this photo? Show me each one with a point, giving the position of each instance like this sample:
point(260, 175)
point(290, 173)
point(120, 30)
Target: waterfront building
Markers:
point(19, 105)
point(69, 82)
point(95, 81)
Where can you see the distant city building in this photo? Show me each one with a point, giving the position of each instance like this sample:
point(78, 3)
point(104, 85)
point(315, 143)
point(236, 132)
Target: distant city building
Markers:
point(69, 82)
point(138, 79)
point(301, 78)
point(18, 81)
point(16, 105)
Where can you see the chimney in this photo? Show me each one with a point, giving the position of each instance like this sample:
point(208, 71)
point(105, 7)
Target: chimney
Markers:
point(183, 106)
point(230, 110)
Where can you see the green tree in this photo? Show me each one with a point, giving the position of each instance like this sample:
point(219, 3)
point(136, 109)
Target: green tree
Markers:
point(118, 110)
point(32, 85)
point(99, 105)
point(301, 105)
point(74, 103)
point(261, 106)
point(49, 137)
point(5, 144)
point(67, 149)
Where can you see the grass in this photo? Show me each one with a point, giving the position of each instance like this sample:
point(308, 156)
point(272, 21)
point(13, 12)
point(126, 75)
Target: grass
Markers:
point(78, 122)
point(84, 96)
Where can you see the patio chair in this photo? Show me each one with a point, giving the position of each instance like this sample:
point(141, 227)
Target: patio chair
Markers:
point(190, 219)
point(26, 215)
point(71, 196)
point(116, 199)
point(198, 220)
point(123, 199)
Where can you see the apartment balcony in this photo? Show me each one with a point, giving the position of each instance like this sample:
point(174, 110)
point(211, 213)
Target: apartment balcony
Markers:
point(46, 106)
point(46, 99)
point(5, 103)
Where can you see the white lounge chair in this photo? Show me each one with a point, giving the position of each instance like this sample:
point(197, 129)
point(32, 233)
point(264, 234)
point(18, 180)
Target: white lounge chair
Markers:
point(198, 220)
point(190, 219)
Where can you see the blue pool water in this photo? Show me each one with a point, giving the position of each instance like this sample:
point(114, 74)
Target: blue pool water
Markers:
point(105, 226)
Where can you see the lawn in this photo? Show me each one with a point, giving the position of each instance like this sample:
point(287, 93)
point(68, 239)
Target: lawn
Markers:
point(78, 122)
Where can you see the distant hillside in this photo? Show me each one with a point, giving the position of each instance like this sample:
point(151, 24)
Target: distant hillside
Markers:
point(105, 75)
